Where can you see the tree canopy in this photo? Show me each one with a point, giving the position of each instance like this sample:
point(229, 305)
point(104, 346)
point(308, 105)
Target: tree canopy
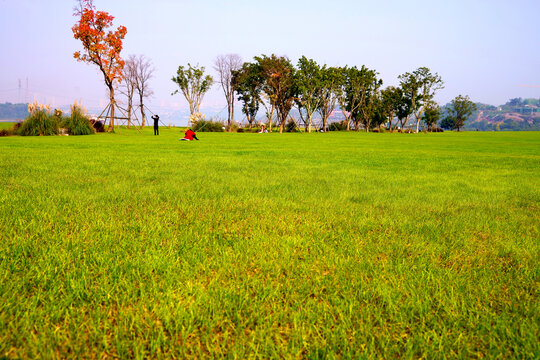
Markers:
point(193, 84)
point(102, 46)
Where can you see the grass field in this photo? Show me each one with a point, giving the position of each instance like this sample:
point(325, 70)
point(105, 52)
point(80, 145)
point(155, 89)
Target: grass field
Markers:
point(338, 245)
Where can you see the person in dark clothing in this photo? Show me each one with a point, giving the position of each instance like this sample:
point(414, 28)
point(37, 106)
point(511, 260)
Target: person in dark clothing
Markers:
point(156, 124)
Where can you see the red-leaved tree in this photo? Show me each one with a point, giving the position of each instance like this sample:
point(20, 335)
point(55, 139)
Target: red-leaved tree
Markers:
point(102, 46)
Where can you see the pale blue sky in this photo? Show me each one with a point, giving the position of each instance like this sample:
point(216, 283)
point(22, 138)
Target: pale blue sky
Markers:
point(481, 48)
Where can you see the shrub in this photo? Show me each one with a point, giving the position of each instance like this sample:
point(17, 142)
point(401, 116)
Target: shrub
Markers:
point(6, 132)
point(291, 126)
point(40, 121)
point(338, 126)
point(10, 131)
point(78, 123)
point(207, 126)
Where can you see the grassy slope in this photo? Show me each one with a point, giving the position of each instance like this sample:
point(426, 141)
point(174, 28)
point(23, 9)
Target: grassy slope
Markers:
point(269, 245)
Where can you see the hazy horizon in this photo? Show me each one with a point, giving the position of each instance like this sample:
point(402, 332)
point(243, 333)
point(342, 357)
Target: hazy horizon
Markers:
point(484, 49)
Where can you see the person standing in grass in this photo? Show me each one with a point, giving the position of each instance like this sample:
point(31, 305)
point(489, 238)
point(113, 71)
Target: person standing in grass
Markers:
point(156, 124)
point(190, 135)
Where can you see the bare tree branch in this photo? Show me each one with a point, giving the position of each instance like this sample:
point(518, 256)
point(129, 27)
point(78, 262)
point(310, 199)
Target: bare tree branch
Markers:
point(225, 65)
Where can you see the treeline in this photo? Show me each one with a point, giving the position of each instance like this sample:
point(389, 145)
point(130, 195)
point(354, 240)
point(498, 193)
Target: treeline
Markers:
point(275, 83)
point(9, 111)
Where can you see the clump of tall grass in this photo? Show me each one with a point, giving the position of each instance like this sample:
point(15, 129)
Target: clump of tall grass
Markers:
point(40, 121)
point(79, 122)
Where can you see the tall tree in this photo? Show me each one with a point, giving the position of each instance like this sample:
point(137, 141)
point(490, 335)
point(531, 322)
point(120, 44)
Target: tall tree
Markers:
point(309, 82)
point(193, 84)
point(247, 83)
point(361, 87)
point(279, 84)
point(461, 108)
point(390, 101)
point(143, 73)
point(342, 95)
point(102, 46)
point(420, 87)
point(225, 65)
point(404, 109)
point(349, 94)
point(369, 98)
point(129, 83)
point(378, 113)
point(330, 81)
point(432, 114)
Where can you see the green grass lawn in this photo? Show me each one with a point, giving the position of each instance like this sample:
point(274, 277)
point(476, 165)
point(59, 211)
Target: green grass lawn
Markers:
point(6, 125)
point(338, 245)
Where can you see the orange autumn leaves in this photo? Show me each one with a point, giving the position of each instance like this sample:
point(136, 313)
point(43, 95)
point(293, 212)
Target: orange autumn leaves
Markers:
point(102, 46)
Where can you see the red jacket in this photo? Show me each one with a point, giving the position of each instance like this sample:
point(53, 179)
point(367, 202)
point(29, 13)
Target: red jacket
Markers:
point(190, 135)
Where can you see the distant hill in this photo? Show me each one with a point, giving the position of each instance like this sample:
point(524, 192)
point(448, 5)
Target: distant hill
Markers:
point(516, 114)
point(9, 111)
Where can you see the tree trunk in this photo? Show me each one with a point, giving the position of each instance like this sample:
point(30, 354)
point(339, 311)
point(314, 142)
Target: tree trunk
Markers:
point(130, 104)
point(270, 119)
point(143, 116)
point(231, 121)
point(113, 106)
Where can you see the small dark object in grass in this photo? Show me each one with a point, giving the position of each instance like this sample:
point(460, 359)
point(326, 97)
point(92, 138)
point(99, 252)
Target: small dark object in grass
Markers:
point(98, 125)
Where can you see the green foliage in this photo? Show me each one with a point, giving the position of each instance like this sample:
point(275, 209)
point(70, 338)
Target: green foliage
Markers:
point(207, 126)
point(331, 78)
point(78, 123)
point(432, 115)
point(338, 126)
point(193, 85)
point(248, 83)
point(39, 122)
point(420, 88)
point(262, 246)
point(449, 122)
point(460, 109)
point(291, 126)
point(309, 82)
point(358, 93)
point(279, 84)
point(391, 100)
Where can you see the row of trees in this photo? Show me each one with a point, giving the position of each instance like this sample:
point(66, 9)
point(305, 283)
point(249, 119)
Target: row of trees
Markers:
point(272, 81)
point(317, 90)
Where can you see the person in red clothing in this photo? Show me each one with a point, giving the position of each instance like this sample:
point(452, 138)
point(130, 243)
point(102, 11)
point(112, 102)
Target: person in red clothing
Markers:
point(190, 135)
